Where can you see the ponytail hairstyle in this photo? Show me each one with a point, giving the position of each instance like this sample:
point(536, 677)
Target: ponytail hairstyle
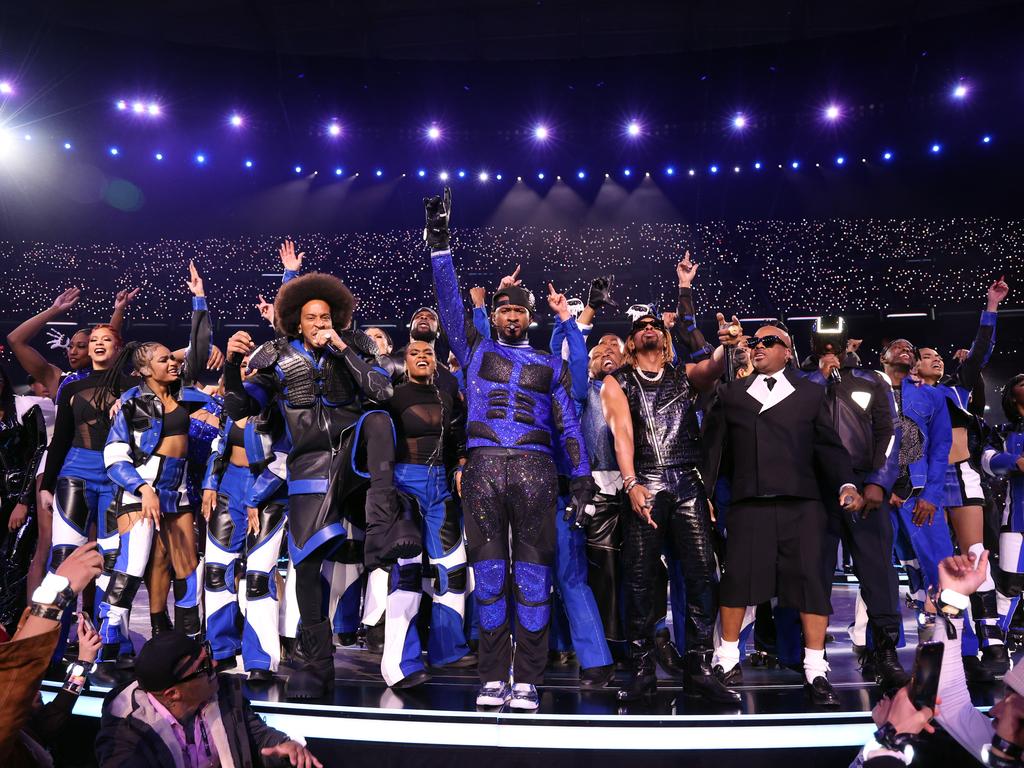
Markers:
point(134, 353)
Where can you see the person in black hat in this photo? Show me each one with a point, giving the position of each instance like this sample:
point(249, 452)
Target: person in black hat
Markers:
point(520, 416)
point(178, 707)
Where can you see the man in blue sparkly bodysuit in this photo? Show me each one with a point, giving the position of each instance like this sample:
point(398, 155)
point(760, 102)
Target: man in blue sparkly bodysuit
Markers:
point(520, 416)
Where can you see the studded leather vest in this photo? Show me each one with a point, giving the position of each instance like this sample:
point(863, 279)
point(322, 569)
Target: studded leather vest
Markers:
point(665, 428)
point(597, 435)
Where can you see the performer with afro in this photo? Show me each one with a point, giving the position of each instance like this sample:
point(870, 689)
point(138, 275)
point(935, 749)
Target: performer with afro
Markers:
point(327, 379)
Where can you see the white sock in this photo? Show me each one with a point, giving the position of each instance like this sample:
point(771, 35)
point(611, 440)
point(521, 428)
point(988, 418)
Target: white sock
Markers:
point(815, 664)
point(522, 686)
point(987, 584)
point(727, 655)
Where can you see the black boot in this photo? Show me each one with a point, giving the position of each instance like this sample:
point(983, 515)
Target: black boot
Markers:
point(996, 659)
point(643, 681)
point(160, 622)
point(106, 672)
point(700, 680)
point(315, 652)
point(666, 655)
point(888, 672)
point(374, 638)
point(975, 671)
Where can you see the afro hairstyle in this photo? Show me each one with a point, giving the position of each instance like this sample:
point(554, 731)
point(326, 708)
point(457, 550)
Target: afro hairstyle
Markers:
point(296, 293)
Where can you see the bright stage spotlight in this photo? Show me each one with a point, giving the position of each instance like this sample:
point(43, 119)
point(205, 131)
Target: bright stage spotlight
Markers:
point(6, 89)
point(338, 171)
point(483, 176)
point(248, 163)
point(960, 91)
point(153, 110)
point(634, 129)
point(541, 132)
point(201, 159)
point(236, 120)
point(158, 156)
point(433, 132)
point(334, 130)
point(832, 112)
point(298, 169)
point(421, 173)
point(739, 122)
point(114, 151)
point(443, 176)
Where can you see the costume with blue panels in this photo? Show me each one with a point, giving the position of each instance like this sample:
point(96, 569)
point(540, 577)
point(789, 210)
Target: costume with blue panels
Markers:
point(520, 415)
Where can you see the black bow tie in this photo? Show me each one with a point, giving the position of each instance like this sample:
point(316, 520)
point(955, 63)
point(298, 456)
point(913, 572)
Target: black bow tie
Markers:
point(770, 383)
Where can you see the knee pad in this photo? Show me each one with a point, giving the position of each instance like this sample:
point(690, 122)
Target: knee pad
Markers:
point(259, 585)
point(110, 560)
point(533, 595)
point(122, 589)
point(983, 605)
point(405, 578)
point(186, 593)
point(214, 578)
point(1009, 583)
point(445, 580)
point(451, 527)
point(60, 553)
point(489, 577)
point(70, 503)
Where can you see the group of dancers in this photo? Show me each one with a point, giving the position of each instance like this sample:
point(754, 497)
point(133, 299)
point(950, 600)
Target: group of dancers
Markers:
point(509, 485)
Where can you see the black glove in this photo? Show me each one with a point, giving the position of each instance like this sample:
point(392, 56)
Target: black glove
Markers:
point(582, 491)
point(601, 293)
point(438, 210)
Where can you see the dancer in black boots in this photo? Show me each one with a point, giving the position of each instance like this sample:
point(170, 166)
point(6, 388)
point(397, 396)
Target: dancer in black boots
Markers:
point(650, 407)
point(322, 375)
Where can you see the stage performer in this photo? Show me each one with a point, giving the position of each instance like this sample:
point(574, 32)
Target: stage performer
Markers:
point(650, 407)
point(245, 501)
point(324, 377)
point(519, 415)
point(965, 497)
point(772, 434)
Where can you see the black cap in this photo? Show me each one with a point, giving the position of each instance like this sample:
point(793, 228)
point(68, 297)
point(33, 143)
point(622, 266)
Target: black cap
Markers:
point(162, 659)
point(516, 295)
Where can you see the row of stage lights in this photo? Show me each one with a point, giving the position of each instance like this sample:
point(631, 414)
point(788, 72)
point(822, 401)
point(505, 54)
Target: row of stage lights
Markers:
point(202, 159)
point(633, 128)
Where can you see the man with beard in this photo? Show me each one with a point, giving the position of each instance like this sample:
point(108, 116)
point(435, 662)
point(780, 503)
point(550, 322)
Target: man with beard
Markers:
point(650, 407)
point(324, 377)
point(519, 415)
point(772, 435)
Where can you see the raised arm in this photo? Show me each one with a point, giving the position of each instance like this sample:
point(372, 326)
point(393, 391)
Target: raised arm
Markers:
point(121, 301)
point(685, 332)
point(567, 330)
point(707, 372)
point(198, 353)
point(462, 336)
point(985, 339)
point(360, 355)
point(29, 358)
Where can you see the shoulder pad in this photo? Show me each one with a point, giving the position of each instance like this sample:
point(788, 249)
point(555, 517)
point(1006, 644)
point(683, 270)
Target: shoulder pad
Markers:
point(360, 342)
point(266, 354)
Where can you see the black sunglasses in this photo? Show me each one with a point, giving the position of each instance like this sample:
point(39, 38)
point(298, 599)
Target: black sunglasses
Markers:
point(644, 323)
point(768, 341)
point(205, 668)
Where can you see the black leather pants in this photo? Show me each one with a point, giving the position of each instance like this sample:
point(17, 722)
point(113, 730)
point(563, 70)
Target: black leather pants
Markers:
point(681, 513)
point(604, 547)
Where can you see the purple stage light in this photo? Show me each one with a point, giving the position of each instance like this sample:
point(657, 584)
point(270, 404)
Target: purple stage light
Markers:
point(483, 176)
point(121, 105)
point(443, 176)
point(497, 177)
point(153, 110)
point(138, 107)
point(670, 171)
point(541, 133)
point(581, 174)
point(158, 156)
point(739, 121)
point(114, 151)
point(986, 139)
point(334, 130)
point(298, 169)
point(757, 166)
point(236, 120)
point(795, 165)
point(714, 169)
point(201, 159)
point(840, 160)
point(634, 129)
point(960, 91)
point(434, 132)
point(378, 173)
point(421, 173)
point(6, 89)
point(338, 171)
point(248, 163)
point(541, 175)
point(936, 149)
point(67, 145)
point(832, 112)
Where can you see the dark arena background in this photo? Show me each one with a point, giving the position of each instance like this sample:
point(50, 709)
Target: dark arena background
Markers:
point(816, 158)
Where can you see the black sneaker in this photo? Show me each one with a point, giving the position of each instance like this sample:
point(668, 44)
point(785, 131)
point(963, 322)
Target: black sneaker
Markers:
point(996, 659)
point(821, 693)
point(597, 677)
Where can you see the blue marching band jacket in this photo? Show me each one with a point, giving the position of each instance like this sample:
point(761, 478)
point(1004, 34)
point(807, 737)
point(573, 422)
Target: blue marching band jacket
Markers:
point(266, 448)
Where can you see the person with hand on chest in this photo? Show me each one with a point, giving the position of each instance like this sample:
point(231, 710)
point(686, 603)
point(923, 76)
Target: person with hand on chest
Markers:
point(771, 435)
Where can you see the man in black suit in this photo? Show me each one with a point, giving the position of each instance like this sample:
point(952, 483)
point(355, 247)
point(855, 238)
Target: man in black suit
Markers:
point(772, 436)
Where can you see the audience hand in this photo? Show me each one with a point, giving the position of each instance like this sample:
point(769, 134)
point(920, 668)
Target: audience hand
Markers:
point(963, 573)
point(289, 260)
point(81, 566)
point(89, 642)
point(904, 716)
point(297, 754)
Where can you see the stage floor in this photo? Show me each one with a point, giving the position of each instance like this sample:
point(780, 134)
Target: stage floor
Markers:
point(773, 715)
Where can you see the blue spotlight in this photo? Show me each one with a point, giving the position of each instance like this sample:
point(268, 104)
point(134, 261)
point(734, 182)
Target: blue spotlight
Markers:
point(378, 173)
point(739, 122)
point(298, 169)
point(200, 158)
point(887, 156)
point(541, 175)
point(67, 145)
point(757, 166)
point(626, 172)
point(713, 169)
point(936, 149)
point(634, 129)
point(670, 171)
point(421, 173)
point(433, 132)
point(6, 89)
point(497, 177)
point(121, 105)
point(795, 164)
point(236, 120)
point(581, 174)
point(541, 132)
point(692, 172)
point(114, 151)
point(248, 163)
point(158, 155)
point(840, 160)
point(338, 171)
point(483, 176)
point(443, 176)
point(960, 91)
point(832, 112)
point(333, 130)
point(986, 139)
point(462, 174)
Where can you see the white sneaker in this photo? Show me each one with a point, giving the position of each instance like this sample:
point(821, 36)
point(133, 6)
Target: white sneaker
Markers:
point(524, 696)
point(493, 694)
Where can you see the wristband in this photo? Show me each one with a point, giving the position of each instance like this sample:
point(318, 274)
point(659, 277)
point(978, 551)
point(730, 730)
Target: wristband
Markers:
point(48, 612)
point(954, 600)
point(873, 749)
point(54, 590)
point(1008, 748)
point(998, 761)
point(889, 739)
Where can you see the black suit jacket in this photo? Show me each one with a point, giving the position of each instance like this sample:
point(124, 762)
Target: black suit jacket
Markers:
point(783, 451)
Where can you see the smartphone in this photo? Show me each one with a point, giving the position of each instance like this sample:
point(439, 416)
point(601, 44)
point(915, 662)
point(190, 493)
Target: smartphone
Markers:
point(924, 682)
point(85, 617)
